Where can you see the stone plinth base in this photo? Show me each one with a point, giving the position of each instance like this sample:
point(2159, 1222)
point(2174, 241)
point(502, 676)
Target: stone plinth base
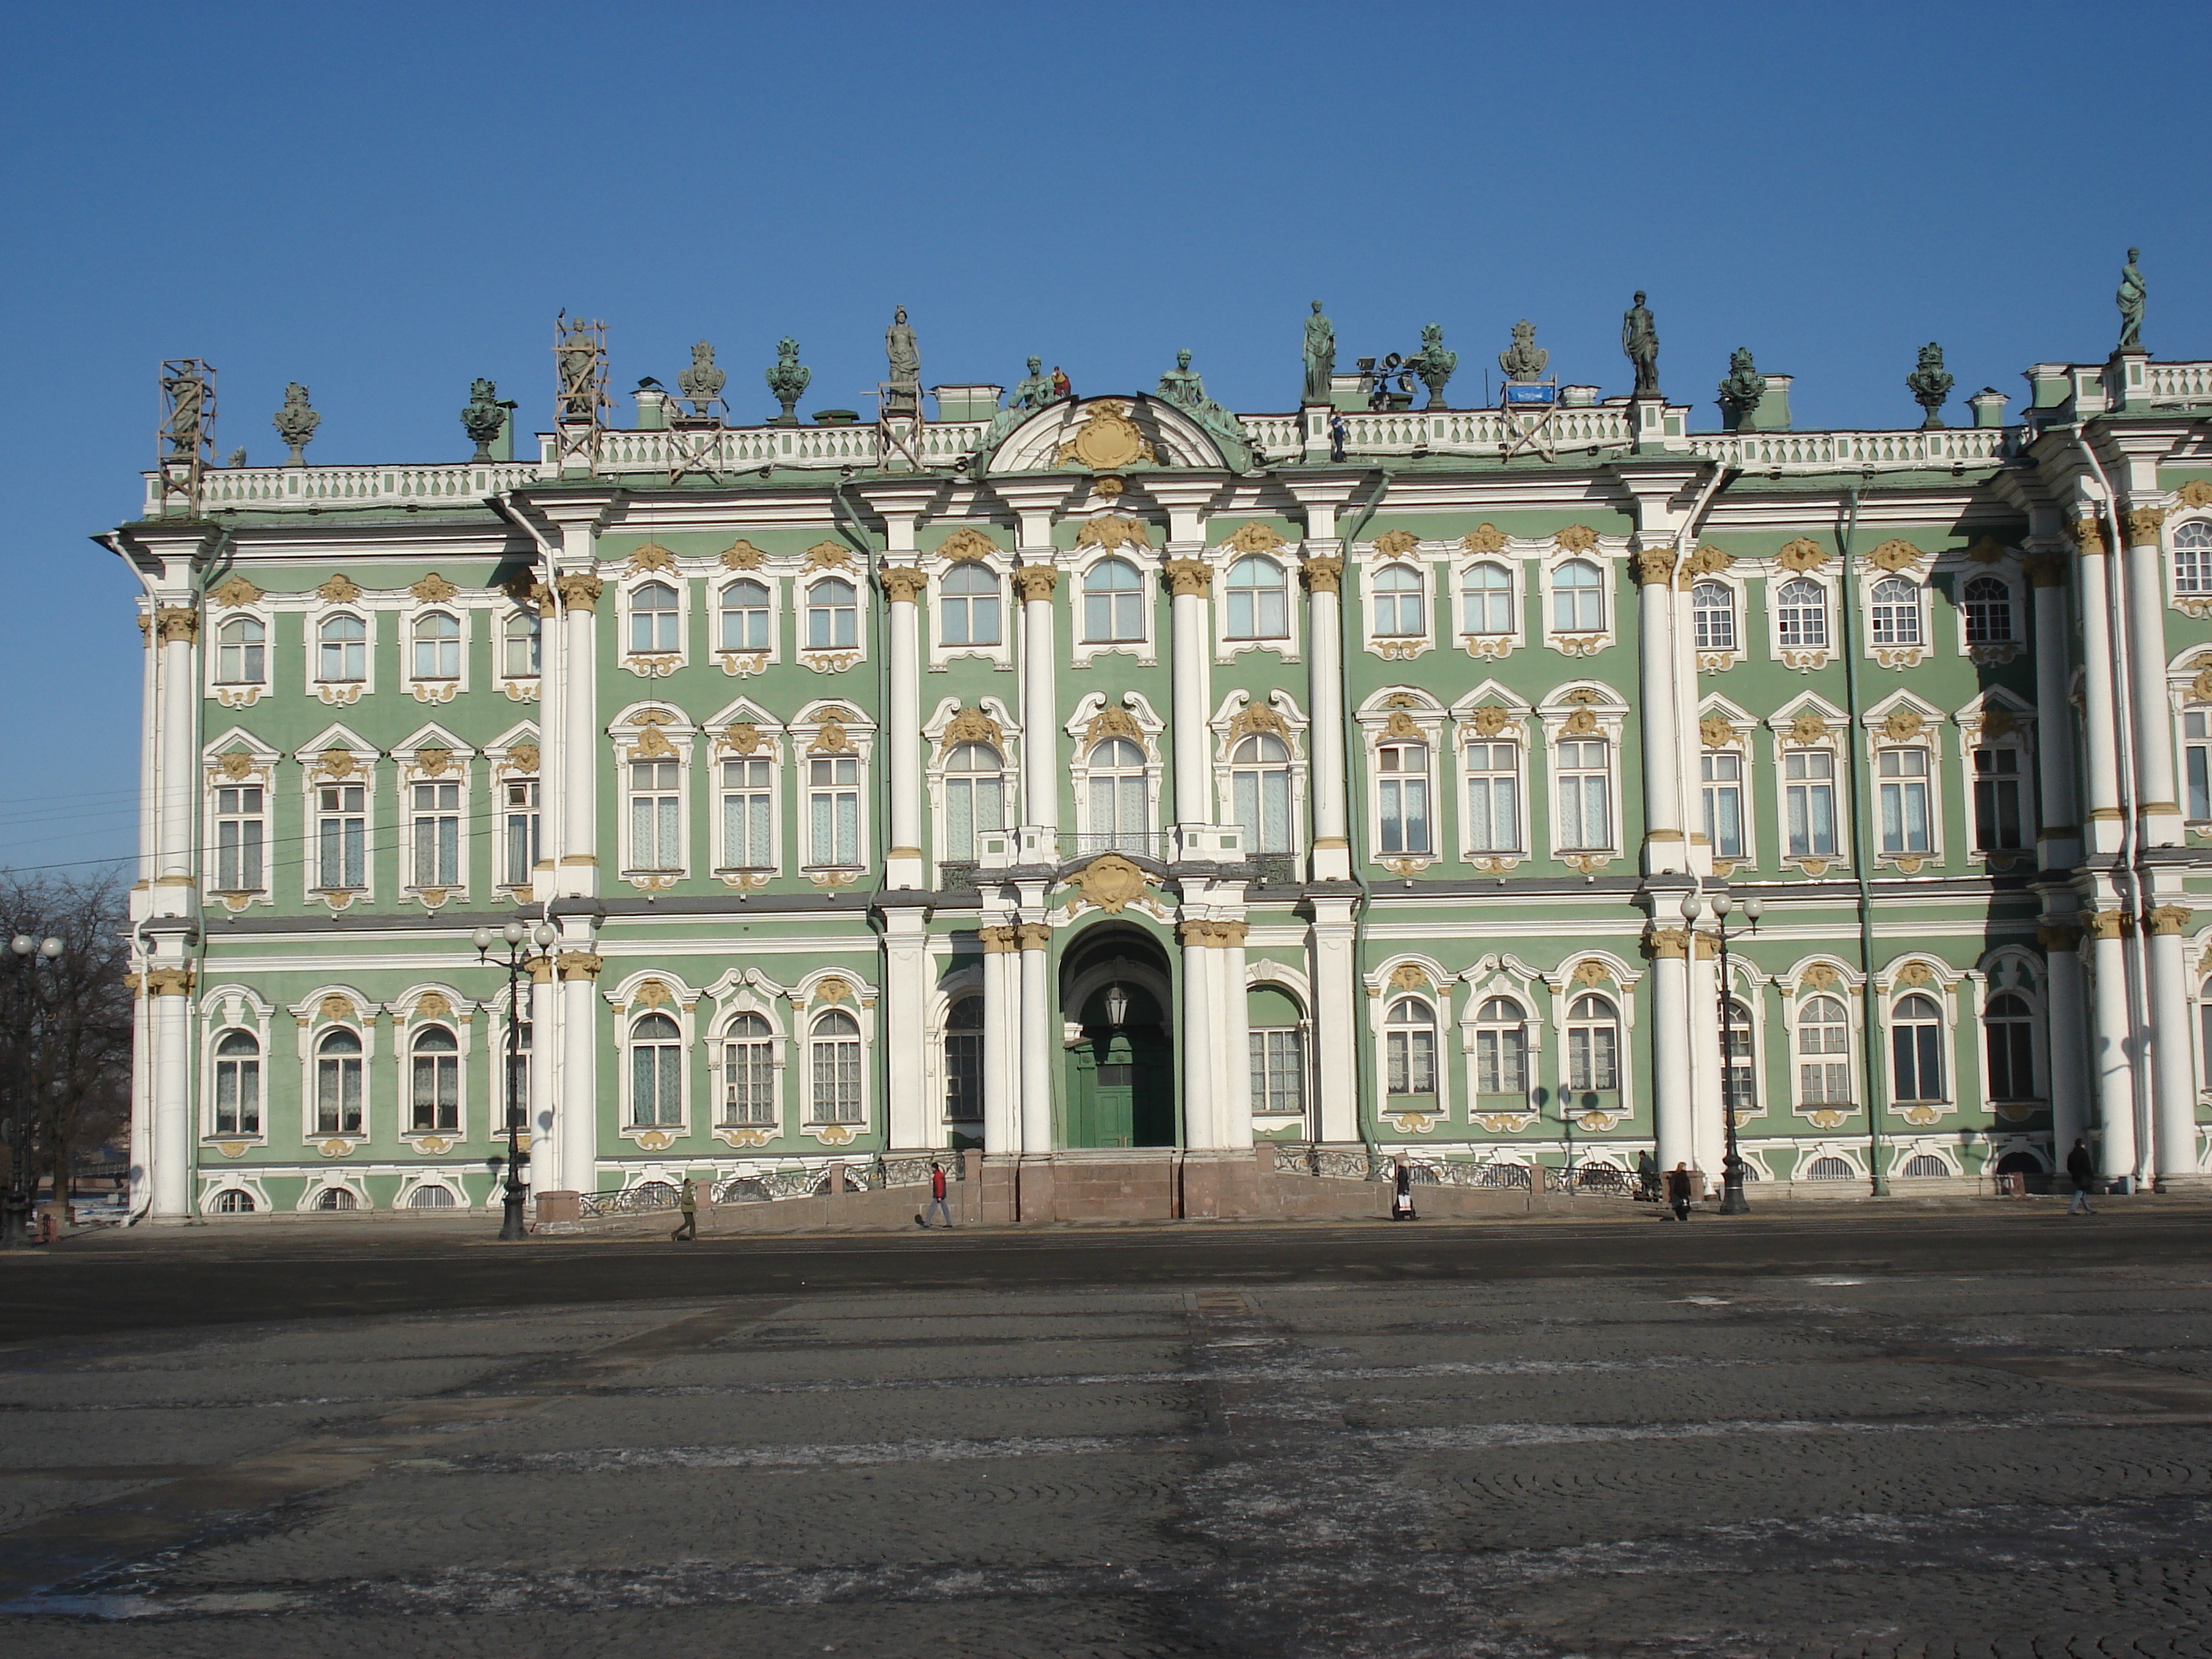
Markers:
point(560, 1206)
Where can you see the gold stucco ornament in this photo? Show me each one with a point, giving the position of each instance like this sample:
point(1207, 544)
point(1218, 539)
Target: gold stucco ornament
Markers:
point(1107, 441)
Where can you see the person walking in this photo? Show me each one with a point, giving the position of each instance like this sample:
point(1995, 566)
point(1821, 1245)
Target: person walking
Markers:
point(2084, 1168)
point(1401, 1194)
point(937, 1204)
point(1647, 1178)
point(1678, 1191)
point(687, 1200)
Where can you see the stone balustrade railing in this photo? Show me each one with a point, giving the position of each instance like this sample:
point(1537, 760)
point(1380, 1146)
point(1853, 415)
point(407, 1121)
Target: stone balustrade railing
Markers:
point(1829, 452)
point(2181, 383)
point(280, 488)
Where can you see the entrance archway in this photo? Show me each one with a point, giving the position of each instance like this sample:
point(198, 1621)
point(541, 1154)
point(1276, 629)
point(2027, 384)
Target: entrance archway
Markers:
point(1117, 987)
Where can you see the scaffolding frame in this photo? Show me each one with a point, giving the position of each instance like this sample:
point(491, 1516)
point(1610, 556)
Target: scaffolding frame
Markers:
point(580, 365)
point(185, 438)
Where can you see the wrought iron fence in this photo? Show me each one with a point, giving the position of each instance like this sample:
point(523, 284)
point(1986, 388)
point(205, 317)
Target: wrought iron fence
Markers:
point(1598, 1178)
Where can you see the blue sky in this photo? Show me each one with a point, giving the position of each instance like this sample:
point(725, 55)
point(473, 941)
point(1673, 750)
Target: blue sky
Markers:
point(386, 200)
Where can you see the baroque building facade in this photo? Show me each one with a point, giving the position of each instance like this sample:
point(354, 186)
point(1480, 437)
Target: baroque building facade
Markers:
point(1106, 784)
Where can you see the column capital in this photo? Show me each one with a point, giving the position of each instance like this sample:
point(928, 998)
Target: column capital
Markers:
point(168, 982)
point(579, 590)
point(1211, 935)
point(904, 583)
point(998, 941)
point(1667, 942)
point(1036, 581)
point(2106, 924)
point(1191, 578)
point(2142, 525)
point(1653, 566)
point(177, 624)
point(2054, 936)
point(2045, 569)
point(2089, 536)
point(579, 964)
point(1323, 572)
point(2167, 920)
point(1033, 935)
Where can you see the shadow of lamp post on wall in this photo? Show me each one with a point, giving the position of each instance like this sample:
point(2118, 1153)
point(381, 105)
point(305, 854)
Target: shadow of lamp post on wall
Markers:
point(518, 939)
point(1733, 1201)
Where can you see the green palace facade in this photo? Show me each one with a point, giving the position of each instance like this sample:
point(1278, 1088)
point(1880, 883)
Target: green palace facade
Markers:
point(1113, 782)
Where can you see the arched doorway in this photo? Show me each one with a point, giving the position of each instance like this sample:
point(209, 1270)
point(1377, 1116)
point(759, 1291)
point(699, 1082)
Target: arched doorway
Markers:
point(1116, 987)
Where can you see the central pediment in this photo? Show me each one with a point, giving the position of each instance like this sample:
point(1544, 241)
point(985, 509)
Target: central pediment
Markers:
point(1107, 434)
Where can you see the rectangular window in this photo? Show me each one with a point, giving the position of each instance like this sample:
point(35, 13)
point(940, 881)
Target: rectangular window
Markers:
point(2196, 735)
point(1916, 1053)
point(1493, 797)
point(1261, 800)
point(437, 827)
point(521, 831)
point(656, 815)
point(837, 1080)
point(748, 1083)
point(1997, 799)
point(1904, 797)
point(1585, 796)
point(964, 1076)
point(338, 1095)
point(747, 813)
point(1740, 1078)
point(238, 828)
point(237, 1097)
point(1593, 1058)
point(1723, 780)
point(341, 836)
point(1412, 1062)
point(1279, 1072)
point(1808, 795)
point(437, 1092)
point(1404, 794)
point(1501, 1062)
point(833, 788)
point(971, 803)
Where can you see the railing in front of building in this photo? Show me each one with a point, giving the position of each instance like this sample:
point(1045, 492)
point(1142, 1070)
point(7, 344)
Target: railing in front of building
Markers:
point(1140, 843)
point(1595, 1177)
point(2181, 383)
point(874, 1174)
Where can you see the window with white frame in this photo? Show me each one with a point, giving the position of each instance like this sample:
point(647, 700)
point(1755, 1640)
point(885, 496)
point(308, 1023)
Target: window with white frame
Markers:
point(1501, 1047)
point(974, 798)
point(1916, 1049)
point(1493, 797)
point(748, 1073)
point(833, 615)
point(2009, 1039)
point(1402, 795)
point(238, 1083)
point(656, 1073)
point(1592, 1044)
point(1721, 774)
point(341, 836)
point(522, 646)
point(1486, 600)
point(1999, 824)
point(964, 1060)
point(241, 829)
point(835, 1043)
point(1712, 615)
point(1279, 1069)
point(521, 830)
point(1577, 598)
point(2192, 558)
point(435, 814)
point(1901, 790)
point(968, 605)
point(1987, 603)
point(1740, 1086)
point(2196, 762)
point(1824, 1047)
point(654, 620)
point(744, 623)
point(656, 815)
point(1585, 773)
point(437, 646)
point(1118, 815)
point(434, 1090)
point(1401, 603)
point(1260, 791)
point(241, 651)
point(1808, 801)
point(833, 810)
point(1113, 604)
point(342, 650)
point(1801, 615)
point(749, 813)
point(233, 1201)
point(337, 1083)
point(1259, 601)
point(1409, 1046)
point(1895, 618)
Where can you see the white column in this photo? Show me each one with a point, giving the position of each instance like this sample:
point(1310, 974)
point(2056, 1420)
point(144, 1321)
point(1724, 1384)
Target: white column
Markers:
point(1002, 1114)
point(912, 1124)
point(1233, 1020)
point(1665, 847)
point(541, 1072)
point(2060, 835)
point(2100, 714)
point(1671, 1112)
point(1037, 1046)
point(2110, 1062)
point(142, 1099)
point(903, 862)
point(2067, 1021)
point(170, 992)
point(1324, 575)
point(1702, 1052)
point(178, 627)
point(1040, 737)
point(2157, 801)
point(1190, 581)
point(1196, 1039)
point(578, 1108)
point(578, 876)
point(2174, 1061)
point(1335, 1016)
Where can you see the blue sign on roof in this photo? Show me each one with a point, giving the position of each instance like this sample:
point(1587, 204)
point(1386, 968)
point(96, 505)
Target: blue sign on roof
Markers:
point(1531, 394)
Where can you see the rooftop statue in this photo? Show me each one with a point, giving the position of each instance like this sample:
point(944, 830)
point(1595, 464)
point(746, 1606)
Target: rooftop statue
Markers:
point(483, 418)
point(296, 423)
point(1434, 364)
point(2130, 299)
point(701, 384)
point(576, 361)
point(899, 347)
point(1181, 386)
point(1524, 360)
point(1639, 343)
point(787, 379)
point(188, 398)
point(1929, 384)
point(1321, 356)
point(1035, 390)
point(1740, 391)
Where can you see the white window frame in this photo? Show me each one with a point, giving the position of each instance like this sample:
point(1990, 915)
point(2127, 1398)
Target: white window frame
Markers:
point(1384, 726)
point(2195, 601)
point(1874, 602)
point(1491, 646)
point(231, 693)
point(2016, 603)
point(518, 688)
point(1556, 589)
point(628, 732)
point(1530, 1031)
point(414, 1030)
point(1515, 736)
point(340, 692)
point(1228, 646)
point(1397, 647)
point(860, 1009)
point(357, 1022)
point(1082, 745)
point(1747, 831)
point(1802, 657)
point(1794, 1009)
point(222, 1015)
point(833, 658)
point(1569, 1024)
point(943, 651)
point(634, 1015)
point(749, 1006)
point(1146, 649)
point(2201, 743)
point(436, 688)
point(1946, 1020)
point(363, 774)
point(804, 732)
point(654, 664)
point(1608, 723)
point(749, 661)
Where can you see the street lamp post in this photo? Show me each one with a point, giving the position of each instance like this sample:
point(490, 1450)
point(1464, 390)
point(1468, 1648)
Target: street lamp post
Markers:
point(518, 939)
point(15, 1210)
point(1733, 1201)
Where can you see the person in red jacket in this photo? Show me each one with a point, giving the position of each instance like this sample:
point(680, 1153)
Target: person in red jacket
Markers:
point(937, 1204)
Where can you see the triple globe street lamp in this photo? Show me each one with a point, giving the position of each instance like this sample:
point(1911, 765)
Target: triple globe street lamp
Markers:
point(518, 941)
point(1731, 1199)
point(25, 953)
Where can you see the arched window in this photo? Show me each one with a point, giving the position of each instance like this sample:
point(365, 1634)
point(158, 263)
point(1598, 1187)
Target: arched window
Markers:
point(238, 1085)
point(1828, 1168)
point(241, 651)
point(748, 1073)
point(1713, 611)
point(1585, 794)
point(233, 1201)
point(1925, 1164)
point(1409, 1043)
point(338, 1083)
point(1742, 1088)
point(1988, 604)
point(1402, 796)
point(1113, 604)
point(1400, 608)
point(1577, 598)
point(2009, 1032)
point(1487, 600)
point(1801, 615)
point(964, 1060)
point(1896, 611)
point(342, 650)
point(1493, 797)
point(523, 641)
point(431, 1196)
point(653, 619)
point(656, 1072)
point(968, 605)
point(1260, 789)
point(435, 1097)
point(437, 647)
point(1916, 1049)
point(1824, 1047)
point(745, 616)
point(1118, 815)
point(1259, 601)
point(974, 797)
point(334, 1198)
point(1501, 1047)
point(1593, 1045)
point(837, 1045)
point(833, 615)
point(2192, 558)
